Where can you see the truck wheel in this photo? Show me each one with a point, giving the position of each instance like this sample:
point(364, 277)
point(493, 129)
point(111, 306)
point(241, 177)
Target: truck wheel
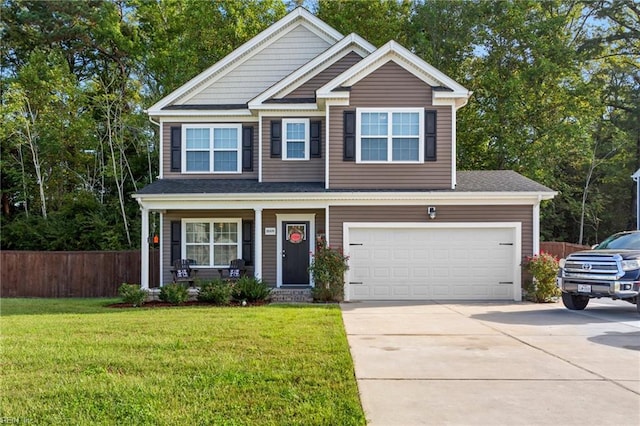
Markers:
point(638, 304)
point(575, 302)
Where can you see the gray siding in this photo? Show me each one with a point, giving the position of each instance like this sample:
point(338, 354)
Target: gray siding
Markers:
point(308, 89)
point(261, 71)
point(391, 86)
point(523, 214)
point(166, 159)
point(279, 170)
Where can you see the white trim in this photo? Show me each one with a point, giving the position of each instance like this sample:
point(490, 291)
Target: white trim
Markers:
point(259, 146)
point(211, 222)
point(211, 127)
point(389, 136)
point(311, 233)
point(298, 14)
point(307, 138)
point(516, 227)
point(454, 175)
point(202, 114)
point(144, 249)
point(161, 249)
point(161, 148)
point(536, 228)
point(313, 68)
point(257, 243)
point(325, 146)
point(403, 57)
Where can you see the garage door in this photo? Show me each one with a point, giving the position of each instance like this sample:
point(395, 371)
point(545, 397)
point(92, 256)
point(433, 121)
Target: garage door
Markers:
point(431, 263)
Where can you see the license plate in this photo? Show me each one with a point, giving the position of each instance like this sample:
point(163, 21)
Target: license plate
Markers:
point(583, 288)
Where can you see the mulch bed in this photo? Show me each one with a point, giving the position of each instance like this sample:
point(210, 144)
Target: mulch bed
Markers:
point(161, 304)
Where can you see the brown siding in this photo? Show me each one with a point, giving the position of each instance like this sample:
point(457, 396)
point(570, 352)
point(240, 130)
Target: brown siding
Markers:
point(523, 214)
point(204, 273)
point(308, 89)
point(391, 86)
point(166, 160)
point(279, 170)
point(269, 242)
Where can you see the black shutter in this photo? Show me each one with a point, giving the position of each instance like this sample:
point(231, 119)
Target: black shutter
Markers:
point(430, 136)
point(315, 132)
point(247, 241)
point(349, 124)
point(276, 138)
point(176, 148)
point(176, 243)
point(247, 148)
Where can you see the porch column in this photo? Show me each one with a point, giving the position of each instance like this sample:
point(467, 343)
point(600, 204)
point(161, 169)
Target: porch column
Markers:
point(144, 249)
point(257, 256)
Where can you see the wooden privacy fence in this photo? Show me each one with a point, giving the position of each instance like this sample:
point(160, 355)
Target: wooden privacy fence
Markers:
point(561, 249)
point(71, 273)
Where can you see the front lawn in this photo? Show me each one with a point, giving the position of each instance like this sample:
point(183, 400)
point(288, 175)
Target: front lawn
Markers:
point(74, 361)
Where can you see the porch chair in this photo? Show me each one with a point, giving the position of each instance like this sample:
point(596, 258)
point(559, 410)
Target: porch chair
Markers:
point(235, 270)
point(183, 272)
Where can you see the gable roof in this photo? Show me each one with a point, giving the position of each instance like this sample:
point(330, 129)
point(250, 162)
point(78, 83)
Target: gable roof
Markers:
point(446, 89)
point(298, 17)
point(350, 43)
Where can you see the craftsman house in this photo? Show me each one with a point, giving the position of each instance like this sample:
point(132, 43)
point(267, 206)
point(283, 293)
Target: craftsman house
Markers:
point(303, 133)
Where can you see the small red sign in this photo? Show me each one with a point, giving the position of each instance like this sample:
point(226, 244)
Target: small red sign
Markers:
point(295, 237)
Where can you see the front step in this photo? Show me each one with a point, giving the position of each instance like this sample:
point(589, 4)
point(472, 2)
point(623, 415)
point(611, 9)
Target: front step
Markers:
point(291, 295)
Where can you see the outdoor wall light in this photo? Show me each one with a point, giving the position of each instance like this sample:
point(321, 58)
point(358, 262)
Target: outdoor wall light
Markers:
point(432, 212)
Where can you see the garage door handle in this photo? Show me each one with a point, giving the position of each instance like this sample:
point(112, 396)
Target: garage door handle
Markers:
point(505, 244)
point(356, 282)
point(356, 244)
point(506, 282)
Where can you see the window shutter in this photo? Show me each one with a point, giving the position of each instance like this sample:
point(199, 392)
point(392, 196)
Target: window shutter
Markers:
point(176, 243)
point(315, 131)
point(247, 241)
point(247, 148)
point(430, 135)
point(349, 124)
point(276, 138)
point(176, 148)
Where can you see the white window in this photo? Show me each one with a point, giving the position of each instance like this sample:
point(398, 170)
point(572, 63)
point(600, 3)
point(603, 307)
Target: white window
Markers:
point(295, 140)
point(390, 135)
point(212, 242)
point(211, 148)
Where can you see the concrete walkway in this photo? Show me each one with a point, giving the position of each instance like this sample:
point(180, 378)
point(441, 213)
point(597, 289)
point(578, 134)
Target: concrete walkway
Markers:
point(493, 363)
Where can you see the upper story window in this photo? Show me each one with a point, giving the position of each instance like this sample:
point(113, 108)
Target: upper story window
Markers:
point(213, 148)
point(390, 135)
point(295, 141)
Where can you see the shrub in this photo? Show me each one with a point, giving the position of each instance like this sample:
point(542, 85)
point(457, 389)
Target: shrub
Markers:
point(216, 291)
point(327, 268)
point(174, 293)
point(133, 294)
point(544, 268)
point(251, 289)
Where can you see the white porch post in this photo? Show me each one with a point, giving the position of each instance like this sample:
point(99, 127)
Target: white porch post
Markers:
point(257, 255)
point(144, 249)
point(536, 227)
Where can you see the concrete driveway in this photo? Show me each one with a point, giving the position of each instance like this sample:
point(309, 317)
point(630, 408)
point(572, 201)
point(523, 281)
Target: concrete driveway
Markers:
point(494, 363)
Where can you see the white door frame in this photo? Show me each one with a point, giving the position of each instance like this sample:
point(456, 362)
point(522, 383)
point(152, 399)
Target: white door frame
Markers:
point(311, 236)
point(516, 228)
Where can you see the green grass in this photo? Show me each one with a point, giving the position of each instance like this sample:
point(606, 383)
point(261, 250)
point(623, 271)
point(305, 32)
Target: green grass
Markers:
point(74, 361)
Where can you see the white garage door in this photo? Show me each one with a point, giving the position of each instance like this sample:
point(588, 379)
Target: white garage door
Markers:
point(432, 263)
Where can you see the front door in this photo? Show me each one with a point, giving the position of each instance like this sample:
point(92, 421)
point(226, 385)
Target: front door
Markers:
point(295, 252)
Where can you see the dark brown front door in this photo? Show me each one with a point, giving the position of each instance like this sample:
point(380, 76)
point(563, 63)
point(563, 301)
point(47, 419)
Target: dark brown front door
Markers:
point(295, 252)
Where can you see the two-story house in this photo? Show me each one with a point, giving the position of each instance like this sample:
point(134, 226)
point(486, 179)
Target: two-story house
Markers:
point(303, 133)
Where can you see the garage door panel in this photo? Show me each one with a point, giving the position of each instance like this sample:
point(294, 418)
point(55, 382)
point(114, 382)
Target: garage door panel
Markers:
point(432, 263)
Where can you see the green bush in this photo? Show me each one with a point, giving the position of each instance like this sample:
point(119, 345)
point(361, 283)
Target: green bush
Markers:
point(544, 269)
point(133, 294)
point(327, 268)
point(251, 289)
point(174, 293)
point(216, 291)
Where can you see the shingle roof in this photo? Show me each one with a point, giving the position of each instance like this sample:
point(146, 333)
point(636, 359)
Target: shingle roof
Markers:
point(468, 181)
